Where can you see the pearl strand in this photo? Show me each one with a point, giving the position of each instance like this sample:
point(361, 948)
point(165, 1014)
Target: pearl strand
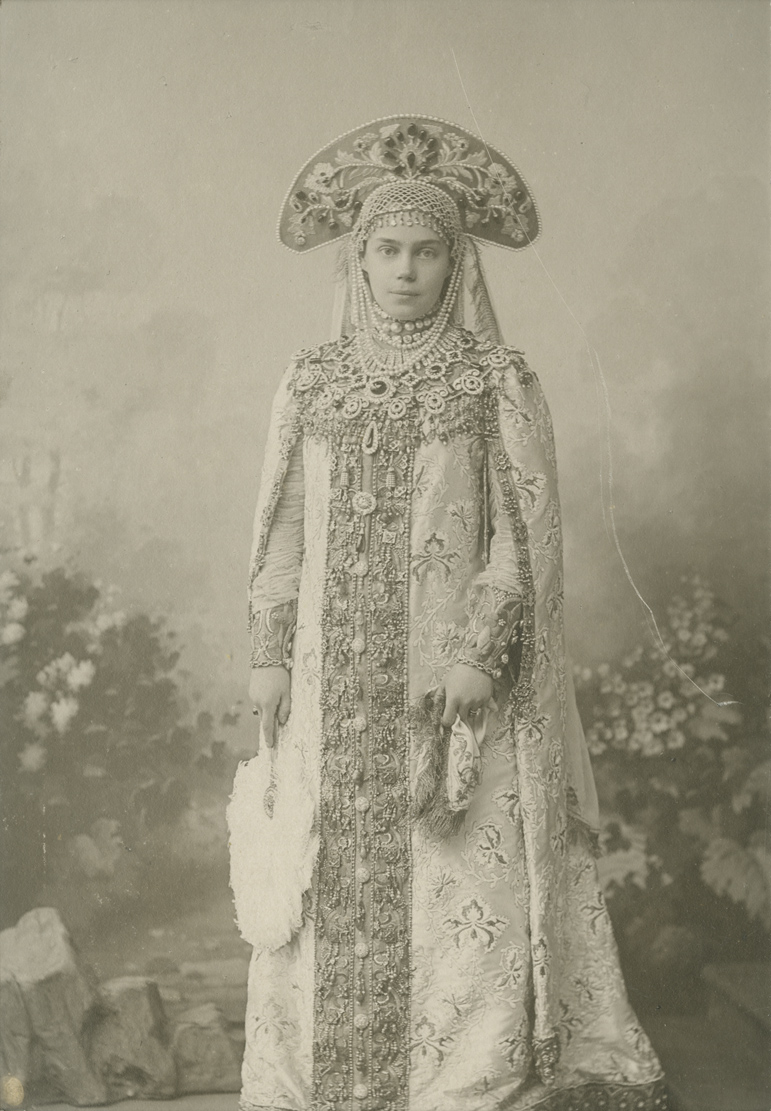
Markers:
point(396, 333)
point(429, 343)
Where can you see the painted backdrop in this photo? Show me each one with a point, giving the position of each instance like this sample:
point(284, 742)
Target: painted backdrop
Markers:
point(149, 310)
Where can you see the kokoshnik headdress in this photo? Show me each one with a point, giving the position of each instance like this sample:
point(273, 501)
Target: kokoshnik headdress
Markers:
point(409, 170)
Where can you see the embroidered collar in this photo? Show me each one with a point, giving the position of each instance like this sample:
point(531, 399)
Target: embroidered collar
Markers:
point(336, 396)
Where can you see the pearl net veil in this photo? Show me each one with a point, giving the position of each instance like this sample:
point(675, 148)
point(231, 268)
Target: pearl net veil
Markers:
point(408, 203)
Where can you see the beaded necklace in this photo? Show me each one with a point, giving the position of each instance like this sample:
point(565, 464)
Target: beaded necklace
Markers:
point(399, 333)
point(385, 345)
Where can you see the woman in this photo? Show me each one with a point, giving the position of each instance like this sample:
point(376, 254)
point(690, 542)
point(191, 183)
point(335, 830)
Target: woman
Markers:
point(411, 849)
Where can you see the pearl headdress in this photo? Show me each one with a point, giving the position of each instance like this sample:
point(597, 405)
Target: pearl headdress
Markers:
point(326, 198)
point(403, 170)
point(409, 202)
point(405, 203)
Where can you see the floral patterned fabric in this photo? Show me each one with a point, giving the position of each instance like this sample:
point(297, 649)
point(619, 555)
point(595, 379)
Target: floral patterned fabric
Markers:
point(325, 199)
point(397, 966)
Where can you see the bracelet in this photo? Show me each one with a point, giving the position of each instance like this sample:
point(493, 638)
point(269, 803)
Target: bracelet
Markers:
point(493, 672)
point(258, 660)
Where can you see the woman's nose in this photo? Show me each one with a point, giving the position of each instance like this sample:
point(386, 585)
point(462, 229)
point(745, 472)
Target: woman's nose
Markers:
point(406, 268)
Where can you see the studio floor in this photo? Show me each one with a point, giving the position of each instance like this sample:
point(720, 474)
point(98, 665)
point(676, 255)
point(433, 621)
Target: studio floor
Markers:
point(713, 1061)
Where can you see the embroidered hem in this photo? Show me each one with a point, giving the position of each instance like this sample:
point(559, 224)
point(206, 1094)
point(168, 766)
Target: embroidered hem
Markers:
point(594, 1096)
point(600, 1096)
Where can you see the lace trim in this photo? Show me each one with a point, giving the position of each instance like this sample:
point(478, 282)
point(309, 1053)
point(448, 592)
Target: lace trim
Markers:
point(272, 635)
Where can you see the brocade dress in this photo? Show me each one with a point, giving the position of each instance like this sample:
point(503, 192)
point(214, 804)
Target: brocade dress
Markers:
point(415, 949)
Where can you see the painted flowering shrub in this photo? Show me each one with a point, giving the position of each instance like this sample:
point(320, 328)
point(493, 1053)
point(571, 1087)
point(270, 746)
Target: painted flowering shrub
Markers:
point(103, 771)
point(685, 784)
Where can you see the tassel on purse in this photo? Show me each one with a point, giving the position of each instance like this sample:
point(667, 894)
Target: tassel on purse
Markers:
point(448, 766)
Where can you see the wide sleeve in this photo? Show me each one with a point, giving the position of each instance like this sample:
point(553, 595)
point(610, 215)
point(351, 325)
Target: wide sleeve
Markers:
point(277, 546)
point(492, 636)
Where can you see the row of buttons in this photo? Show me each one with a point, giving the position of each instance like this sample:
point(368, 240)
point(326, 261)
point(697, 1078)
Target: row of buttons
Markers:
point(361, 802)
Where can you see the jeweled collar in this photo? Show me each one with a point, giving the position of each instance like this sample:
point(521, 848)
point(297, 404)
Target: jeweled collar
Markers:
point(400, 333)
point(337, 366)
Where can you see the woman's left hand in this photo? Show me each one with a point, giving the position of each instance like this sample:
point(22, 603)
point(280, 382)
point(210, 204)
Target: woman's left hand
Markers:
point(467, 690)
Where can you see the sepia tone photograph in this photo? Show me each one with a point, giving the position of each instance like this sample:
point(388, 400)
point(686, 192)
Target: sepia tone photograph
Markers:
point(384, 555)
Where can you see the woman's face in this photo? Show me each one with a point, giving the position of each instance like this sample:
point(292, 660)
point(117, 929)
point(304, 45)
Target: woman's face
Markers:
point(407, 268)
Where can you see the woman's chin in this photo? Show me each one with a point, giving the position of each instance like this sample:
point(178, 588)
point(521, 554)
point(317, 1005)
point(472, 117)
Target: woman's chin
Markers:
point(404, 307)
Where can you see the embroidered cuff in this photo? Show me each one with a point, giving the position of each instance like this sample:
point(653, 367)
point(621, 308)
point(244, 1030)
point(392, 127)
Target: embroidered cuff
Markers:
point(272, 634)
point(492, 631)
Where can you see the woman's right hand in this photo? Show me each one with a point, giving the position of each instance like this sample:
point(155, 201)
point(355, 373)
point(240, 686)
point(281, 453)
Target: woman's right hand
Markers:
point(269, 693)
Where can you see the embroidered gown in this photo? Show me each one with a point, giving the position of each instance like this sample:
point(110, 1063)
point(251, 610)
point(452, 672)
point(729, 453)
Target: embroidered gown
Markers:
point(407, 957)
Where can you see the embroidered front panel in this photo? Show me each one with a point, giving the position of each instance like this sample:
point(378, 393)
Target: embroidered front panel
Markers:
point(373, 426)
point(364, 870)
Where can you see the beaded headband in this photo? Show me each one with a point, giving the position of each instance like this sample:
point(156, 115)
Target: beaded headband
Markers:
point(409, 202)
point(327, 197)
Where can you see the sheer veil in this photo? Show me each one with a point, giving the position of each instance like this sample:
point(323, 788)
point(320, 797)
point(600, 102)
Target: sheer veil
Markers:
point(474, 306)
point(474, 309)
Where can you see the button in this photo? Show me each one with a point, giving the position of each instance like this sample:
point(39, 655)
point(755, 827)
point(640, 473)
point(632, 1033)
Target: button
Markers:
point(363, 875)
point(359, 723)
point(360, 1091)
point(362, 804)
point(358, 644)
point(363, 503)
point(360, 568)
point(361, 1021)
point(361, 949)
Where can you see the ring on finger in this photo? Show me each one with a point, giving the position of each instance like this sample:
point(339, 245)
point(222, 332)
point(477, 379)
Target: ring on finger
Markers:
point(255, 710)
